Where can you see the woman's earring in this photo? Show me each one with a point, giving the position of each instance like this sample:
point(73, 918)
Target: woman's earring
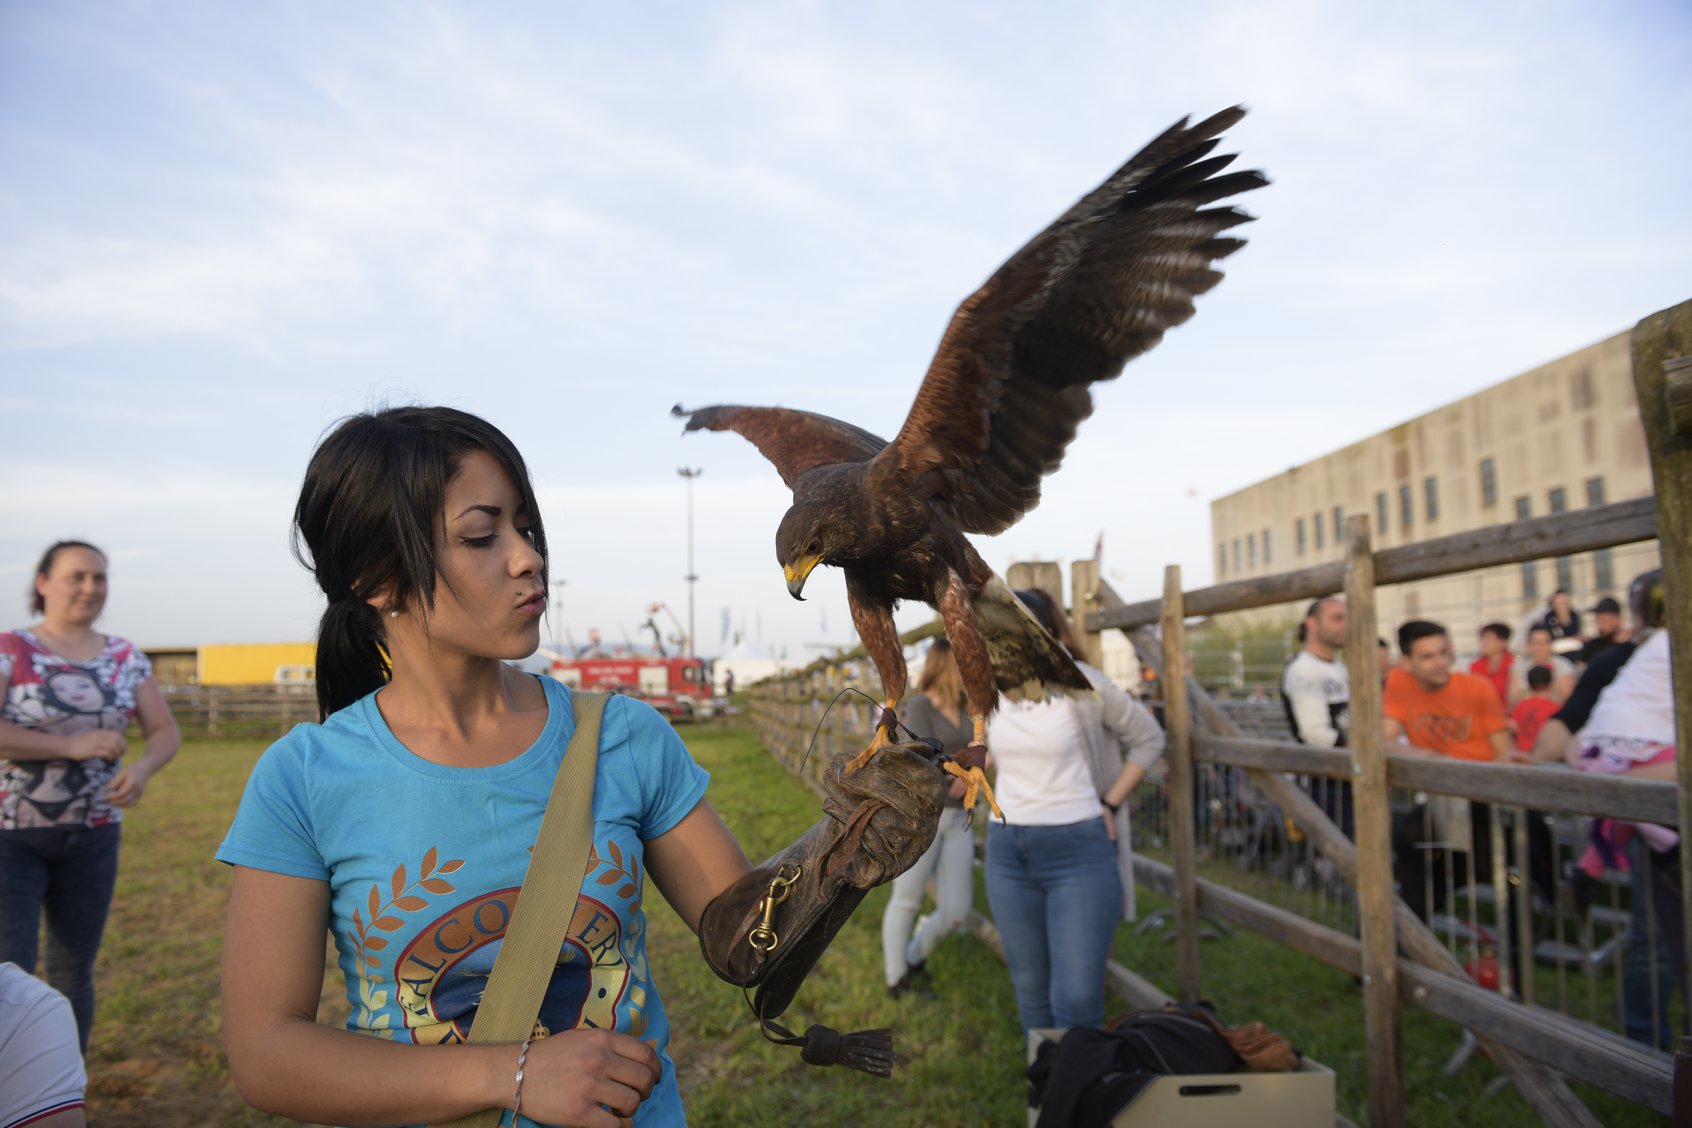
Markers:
point(393, 614)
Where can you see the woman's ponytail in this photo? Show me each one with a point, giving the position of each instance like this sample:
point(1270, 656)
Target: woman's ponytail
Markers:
point(369, 512)
point(350, 660)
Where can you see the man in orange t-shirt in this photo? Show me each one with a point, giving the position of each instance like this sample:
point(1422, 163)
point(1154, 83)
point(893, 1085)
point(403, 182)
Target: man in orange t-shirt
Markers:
point(1436, 710)
point(1440, 713)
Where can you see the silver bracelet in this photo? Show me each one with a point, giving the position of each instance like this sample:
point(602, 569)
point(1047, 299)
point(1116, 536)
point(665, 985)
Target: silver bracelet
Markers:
point(517, 1097)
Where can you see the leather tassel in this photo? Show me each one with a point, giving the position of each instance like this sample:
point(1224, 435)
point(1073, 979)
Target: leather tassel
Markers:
point(868, 1051)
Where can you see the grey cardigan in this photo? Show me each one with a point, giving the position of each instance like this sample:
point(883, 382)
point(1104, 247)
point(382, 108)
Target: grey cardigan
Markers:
point(1116, 729)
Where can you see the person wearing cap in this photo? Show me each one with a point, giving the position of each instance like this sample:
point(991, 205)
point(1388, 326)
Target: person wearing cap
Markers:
point(1607, 617)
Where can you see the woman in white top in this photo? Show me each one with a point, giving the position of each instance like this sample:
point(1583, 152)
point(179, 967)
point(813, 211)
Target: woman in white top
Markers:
point(1059, 872)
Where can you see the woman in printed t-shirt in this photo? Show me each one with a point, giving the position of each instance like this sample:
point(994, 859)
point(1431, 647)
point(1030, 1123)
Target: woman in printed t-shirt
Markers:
point(67, 693)
point(403, 822)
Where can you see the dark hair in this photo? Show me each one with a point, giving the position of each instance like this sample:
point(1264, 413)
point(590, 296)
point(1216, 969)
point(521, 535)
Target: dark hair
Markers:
point(1648, 599)
point(1415, 630)
point(1539, 628)
point(1497, 630)
point(1040, 604)
point(367, 521)
point(37, 605)
point(1539, 677)
point(1310, 612)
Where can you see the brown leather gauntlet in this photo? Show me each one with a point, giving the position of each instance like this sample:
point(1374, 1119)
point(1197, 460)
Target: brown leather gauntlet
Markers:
point(767, 930)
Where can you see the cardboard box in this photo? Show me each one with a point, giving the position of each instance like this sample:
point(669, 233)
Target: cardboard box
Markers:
point(1304, 1099)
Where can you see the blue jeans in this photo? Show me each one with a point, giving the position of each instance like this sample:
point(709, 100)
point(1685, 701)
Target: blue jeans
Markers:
point(68, 874)
point(1056, 896)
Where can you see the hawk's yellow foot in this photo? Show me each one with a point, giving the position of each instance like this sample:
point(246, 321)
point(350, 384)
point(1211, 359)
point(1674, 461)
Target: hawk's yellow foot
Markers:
point(882, 738)
point(975, 780)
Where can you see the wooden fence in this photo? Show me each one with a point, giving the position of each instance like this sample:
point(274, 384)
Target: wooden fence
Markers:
point(240, 712)
point(1400, 959)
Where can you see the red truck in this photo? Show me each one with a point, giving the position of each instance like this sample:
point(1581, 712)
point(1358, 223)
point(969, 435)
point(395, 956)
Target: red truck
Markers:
point(674, 686)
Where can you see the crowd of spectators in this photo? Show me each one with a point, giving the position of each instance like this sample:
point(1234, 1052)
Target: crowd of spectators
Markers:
point(1598, 702)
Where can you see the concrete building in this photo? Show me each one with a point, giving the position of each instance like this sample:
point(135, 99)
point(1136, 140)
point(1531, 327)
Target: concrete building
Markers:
point(1564, 435)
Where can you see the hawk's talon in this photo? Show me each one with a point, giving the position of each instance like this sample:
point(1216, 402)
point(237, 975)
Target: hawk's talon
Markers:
point(880, 740)
point(977, 787)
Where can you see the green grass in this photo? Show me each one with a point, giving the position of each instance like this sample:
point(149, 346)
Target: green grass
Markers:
point(156, 1059)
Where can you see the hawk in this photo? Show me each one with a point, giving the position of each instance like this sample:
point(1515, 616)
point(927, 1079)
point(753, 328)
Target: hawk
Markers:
point(1001, 401)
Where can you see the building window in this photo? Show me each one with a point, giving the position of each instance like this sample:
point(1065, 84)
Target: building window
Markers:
point(1404, 505)
point(1251, 550)
point(1524, 508)
point(1339, 523)
point(1558, 500)
point(1265, 546)
point(1565, 573)
point(1236, 556)
point(1318, 528)
point(1489, 482)
point(1381, 512)
point(1595, 491)
point(1221, 560)
point(1431, 488)
point(1603, 570)
point(1530, 579)
point(1298, 534)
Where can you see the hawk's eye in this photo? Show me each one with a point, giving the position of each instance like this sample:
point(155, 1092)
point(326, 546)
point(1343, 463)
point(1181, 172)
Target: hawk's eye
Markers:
point(814, 549)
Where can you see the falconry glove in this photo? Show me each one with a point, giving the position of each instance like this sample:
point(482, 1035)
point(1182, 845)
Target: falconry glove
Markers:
point(767, 930)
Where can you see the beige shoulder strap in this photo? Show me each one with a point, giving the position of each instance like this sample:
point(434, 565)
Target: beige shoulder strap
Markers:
point(530, 949)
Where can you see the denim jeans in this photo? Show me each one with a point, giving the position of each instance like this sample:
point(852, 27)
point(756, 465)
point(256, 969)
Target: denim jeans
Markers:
point(950, 861)
point(1651, 962)
point(68, 875)
point(1056, 897)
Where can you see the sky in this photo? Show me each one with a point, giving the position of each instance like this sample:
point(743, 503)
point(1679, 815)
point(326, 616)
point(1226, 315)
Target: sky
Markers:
point(224, 227)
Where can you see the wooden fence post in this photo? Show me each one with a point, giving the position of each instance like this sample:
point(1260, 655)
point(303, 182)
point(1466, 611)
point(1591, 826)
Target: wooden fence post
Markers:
point(1372, 803)
point(1084, 591)
point(1664, 391)
point(1183, 838)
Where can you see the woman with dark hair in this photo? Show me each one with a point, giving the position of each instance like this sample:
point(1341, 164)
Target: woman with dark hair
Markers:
point(67, 693)
point(1059, 868)
point(403, 822)
point(936, 710)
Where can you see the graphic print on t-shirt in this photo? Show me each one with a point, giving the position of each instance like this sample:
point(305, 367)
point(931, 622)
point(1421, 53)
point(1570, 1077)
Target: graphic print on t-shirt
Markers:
point(439, 977)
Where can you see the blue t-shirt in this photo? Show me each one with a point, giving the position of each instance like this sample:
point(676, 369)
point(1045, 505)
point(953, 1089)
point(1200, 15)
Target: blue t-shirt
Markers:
point(424, 863)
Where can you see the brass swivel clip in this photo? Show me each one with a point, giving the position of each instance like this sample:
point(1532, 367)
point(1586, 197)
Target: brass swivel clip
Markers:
point(763, 936)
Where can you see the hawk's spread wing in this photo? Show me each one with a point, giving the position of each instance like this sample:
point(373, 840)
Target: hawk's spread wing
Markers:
point(794, 441)
point(1009, 384)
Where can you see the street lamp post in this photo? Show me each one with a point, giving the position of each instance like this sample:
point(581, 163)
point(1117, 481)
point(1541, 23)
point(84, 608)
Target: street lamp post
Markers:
point(690, 474)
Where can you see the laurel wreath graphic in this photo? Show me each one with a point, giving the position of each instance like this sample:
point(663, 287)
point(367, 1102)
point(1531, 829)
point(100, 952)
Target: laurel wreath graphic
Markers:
point(402, 898)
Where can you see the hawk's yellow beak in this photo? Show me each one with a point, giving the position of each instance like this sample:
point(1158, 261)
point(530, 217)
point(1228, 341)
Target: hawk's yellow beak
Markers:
point(796, 573)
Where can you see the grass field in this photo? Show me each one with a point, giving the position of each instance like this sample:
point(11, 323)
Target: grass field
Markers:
point(156, 1058)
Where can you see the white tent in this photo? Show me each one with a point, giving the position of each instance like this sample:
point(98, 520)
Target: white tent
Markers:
point(747, 663)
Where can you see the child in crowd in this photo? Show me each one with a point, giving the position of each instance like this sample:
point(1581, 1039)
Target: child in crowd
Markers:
point(1532, 711)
